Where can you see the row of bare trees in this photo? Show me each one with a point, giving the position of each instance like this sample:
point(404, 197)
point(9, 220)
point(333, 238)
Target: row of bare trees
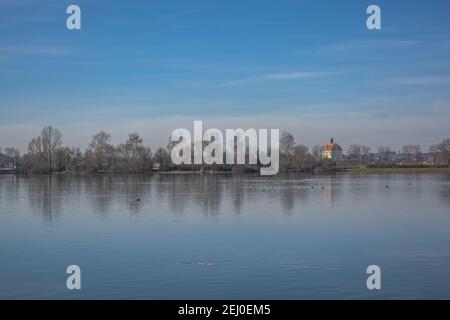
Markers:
point(442, 151)
point(412, 154)
point(358, 152)
point(294, 156)
point(46, 153)
point(43, 149)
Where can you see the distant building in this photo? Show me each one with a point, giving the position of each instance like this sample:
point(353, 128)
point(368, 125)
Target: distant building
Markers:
point(156, 166)
point(332, 151)
point(6, 163)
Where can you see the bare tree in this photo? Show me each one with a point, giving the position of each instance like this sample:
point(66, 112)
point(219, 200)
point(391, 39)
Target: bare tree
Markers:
point(69, 159)
point(14, 155)
point(287, 144)
point(35, 158)
point(444, 151)
point(51, 140)
point(365, 152)
point(412, 152)
point(77, 162)
point(301, 153)
point(64, 157)
point(134, 153)
point(316, 151)
point(287, 150)
point(162, 157)
point(35, 147)
point(354, 152)
point(100, 152)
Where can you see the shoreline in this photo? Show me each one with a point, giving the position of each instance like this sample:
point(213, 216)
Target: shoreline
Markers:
point(418, 170)
point(397, 170)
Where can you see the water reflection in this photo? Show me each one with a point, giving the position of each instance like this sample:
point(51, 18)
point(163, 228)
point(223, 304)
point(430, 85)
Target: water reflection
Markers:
point(331, 189)
point(45, 196)
point(212, 195)
point(289, 236)
point(444, 190)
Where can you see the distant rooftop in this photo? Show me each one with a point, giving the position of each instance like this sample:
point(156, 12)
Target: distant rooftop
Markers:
point(331, 146)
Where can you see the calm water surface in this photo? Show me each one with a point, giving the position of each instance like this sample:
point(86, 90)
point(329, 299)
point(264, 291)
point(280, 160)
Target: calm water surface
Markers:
point(211, 237)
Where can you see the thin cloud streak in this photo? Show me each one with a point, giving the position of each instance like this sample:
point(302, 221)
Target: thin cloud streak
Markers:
point(276, 77)
point(422, 80)
point(41, 50)
point(364, 45)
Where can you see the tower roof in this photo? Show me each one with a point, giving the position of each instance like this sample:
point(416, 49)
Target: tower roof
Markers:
point(331, 146)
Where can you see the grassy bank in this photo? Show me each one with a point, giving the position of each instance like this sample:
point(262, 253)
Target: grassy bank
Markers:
point(399, 170)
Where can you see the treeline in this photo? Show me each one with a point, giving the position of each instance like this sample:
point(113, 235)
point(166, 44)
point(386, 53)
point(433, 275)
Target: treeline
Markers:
point(46, 153)
point(438, 155)
point(298, 157)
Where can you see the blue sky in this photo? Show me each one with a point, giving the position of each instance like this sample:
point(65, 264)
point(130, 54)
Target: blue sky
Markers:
point(309, 67)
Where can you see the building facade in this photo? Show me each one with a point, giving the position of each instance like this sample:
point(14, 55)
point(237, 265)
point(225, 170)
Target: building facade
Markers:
point(332, 151)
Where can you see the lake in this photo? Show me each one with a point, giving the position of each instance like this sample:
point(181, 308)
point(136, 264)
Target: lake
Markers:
point(224, 236)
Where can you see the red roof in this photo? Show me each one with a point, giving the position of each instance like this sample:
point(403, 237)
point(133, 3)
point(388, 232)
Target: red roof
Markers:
point(331, 146)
